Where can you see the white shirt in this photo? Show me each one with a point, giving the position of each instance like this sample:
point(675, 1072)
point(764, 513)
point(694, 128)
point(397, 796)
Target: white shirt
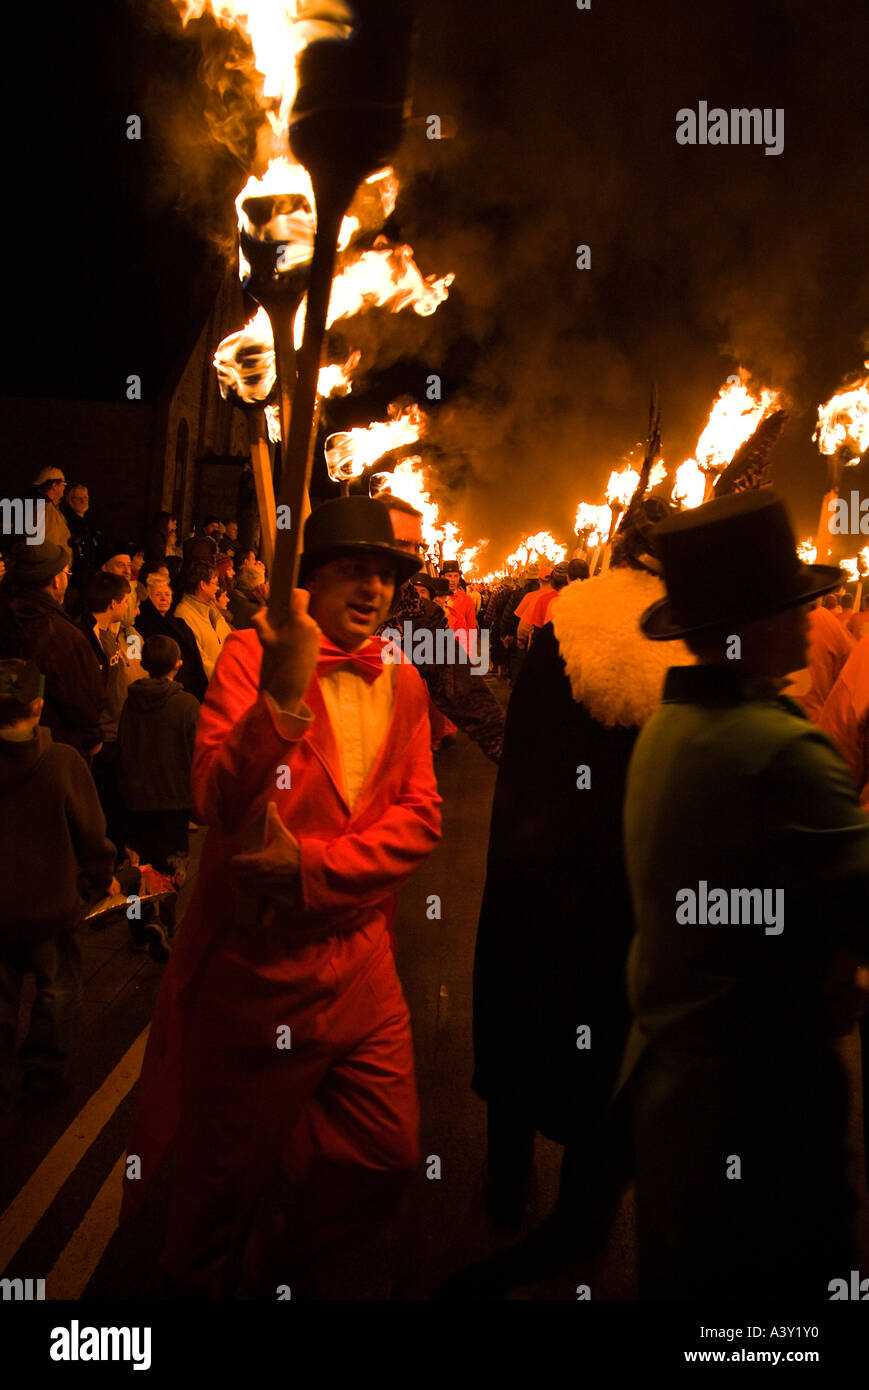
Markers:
point(360, 715)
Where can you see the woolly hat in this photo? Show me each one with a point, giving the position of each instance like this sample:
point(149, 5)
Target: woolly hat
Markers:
point(36, 565)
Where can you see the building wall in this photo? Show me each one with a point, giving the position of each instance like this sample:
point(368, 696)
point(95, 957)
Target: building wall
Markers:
point(196, 424)
point(107, 445)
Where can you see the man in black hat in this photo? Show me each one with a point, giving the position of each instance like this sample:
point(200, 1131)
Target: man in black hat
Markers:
point(281, 1042)
point(748, 861)
point(35, 627)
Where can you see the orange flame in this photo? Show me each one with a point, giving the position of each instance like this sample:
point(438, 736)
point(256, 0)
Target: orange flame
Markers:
point(407, 481)
point(734, 417)
point(843, 423)
point(531, 549)
point(245, 363)
point(856, 566)
point(807, 551)
point(594, 523)
point(350, 452)
point(385, 275)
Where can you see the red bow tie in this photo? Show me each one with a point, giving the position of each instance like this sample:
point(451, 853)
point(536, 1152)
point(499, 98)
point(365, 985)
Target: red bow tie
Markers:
point(366, 662)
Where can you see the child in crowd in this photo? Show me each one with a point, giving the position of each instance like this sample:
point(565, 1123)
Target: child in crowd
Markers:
point(156, 734)
point(54, 860)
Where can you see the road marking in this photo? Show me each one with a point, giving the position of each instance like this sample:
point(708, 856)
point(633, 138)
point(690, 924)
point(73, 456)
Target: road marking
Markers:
point(83, 1251)
point(43, 1185)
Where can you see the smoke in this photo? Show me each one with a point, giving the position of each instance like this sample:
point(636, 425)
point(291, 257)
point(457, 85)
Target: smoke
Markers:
point(701, 259)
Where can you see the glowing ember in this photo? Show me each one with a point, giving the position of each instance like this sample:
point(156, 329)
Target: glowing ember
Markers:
point(350, 452)
point(807, 551)
point(843, 423)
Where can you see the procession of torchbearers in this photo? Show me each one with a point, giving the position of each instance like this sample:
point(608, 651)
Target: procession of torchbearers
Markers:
point(674, 929)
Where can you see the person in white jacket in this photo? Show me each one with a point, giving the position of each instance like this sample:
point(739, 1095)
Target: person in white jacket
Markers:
point(198, 610)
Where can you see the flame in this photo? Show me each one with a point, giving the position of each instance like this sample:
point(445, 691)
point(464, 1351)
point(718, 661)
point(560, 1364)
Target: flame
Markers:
point(856, 566)
point(408, 482)
point(385, 275)
point(689, 485)
point(594, 523)
point(843, 423)
point(807, 551)
point(350, 452)
point(735, 415)
point(621, 487)
point(245, 363)
point(442, 542)
point(531, 549)
point(454, 548)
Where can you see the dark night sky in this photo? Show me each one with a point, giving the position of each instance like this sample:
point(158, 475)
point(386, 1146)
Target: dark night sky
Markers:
point(702, 258)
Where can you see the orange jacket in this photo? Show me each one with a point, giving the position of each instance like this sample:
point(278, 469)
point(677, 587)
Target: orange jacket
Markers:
point(845, 717)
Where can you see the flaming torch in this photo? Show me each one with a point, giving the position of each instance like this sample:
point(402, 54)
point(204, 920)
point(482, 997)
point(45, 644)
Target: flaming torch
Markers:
point(842, 436)
point(735, 417)
point(350, 452)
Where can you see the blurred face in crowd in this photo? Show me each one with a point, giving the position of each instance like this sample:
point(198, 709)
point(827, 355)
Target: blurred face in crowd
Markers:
point(408, 532)
point(161, 597)
point(55, 489)
point(60, 583)
point(78, 500)
point(454, 578)
point(212, 529)
point(422, 591)
point(119, 564)
point(351, 597)
point(222, 599)
point(244, 557)
point(207, 591)
point(230, 529)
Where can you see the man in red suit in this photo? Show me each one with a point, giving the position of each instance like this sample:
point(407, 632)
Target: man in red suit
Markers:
point(461, 613)
point(280, 1059)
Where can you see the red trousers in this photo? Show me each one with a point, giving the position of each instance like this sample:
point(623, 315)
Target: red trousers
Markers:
point(336, 1110)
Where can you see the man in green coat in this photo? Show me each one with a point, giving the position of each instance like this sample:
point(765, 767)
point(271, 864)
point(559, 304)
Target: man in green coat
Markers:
point(748, 861)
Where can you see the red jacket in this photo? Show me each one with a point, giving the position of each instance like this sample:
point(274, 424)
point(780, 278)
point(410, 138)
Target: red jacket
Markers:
point(461, 613)
point(353, 863)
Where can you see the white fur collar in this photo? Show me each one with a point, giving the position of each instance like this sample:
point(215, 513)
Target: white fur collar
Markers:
point(616, 672)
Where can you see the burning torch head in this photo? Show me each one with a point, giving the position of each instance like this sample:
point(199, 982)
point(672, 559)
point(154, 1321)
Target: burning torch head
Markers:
point(346, 121)
point(636, 544)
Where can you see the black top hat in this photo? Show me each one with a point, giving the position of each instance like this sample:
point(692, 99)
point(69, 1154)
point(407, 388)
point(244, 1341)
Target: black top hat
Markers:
point(436, 587)
point(357, 525)
point(450, 567)
point(728, 563)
